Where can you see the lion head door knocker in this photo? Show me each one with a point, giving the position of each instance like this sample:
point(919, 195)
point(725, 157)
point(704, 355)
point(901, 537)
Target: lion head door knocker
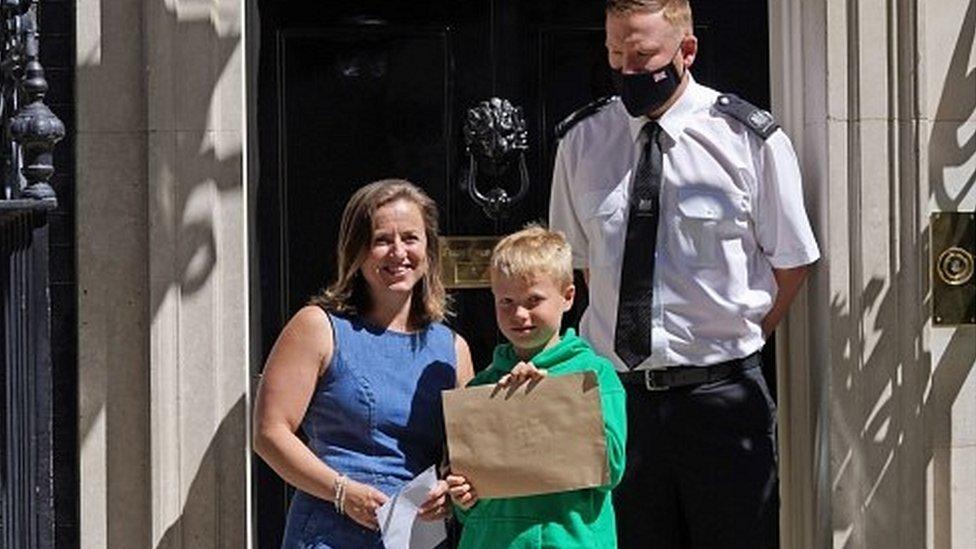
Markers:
point(496, 139)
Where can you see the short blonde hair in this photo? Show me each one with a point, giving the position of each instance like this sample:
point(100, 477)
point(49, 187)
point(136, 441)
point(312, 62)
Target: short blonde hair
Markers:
point(534, 250)
point(349, 294)
point(676, 12)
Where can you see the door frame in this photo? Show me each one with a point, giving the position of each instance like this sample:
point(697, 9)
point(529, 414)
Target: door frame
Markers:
point(802, 397)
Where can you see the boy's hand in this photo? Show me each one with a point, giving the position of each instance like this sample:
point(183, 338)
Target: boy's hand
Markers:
point(437, 506)
point(522, 372)
point(462, 493)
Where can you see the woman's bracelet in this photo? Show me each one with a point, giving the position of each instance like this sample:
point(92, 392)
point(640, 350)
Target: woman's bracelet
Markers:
point(340, 493)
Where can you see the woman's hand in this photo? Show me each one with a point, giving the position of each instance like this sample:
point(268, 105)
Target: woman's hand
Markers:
point(522, 372)
point(360, 503)
point(437, 506)
point(462, 493)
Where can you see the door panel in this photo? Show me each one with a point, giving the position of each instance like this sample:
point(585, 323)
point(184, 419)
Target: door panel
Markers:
point(353, 110)
point(358, 91)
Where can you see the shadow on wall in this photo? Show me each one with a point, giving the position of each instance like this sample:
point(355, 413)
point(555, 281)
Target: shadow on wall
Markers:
point(193, 174)
point(957, 104)
point(897, 407)
point(195, 165)
point(210, 491)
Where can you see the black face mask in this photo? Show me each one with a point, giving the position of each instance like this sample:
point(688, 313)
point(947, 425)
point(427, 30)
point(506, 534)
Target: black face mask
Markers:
point(644, 92)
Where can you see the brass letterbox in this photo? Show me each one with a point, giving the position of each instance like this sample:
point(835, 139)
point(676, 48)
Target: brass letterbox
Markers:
point(465, 261)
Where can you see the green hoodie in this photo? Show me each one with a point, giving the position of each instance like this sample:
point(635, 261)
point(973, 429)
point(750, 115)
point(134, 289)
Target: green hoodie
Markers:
point(576, 519)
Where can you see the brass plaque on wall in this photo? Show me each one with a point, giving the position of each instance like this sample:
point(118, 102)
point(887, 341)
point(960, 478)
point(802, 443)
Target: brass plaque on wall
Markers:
point(465, 261)
point(952, 262)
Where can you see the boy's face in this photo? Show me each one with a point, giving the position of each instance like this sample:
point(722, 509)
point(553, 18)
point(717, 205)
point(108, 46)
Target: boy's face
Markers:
point(530, 310)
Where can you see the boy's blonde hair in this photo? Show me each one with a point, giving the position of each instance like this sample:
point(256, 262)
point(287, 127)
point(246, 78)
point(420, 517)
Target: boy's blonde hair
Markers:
point(532, 251)
point(676, 12)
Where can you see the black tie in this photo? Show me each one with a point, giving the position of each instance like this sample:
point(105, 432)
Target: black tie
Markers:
point(632, 340)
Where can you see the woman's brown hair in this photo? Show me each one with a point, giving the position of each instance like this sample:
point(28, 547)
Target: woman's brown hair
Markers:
point(349, 294)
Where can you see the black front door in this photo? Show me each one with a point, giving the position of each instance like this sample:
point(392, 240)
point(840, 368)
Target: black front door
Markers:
point(357, 91)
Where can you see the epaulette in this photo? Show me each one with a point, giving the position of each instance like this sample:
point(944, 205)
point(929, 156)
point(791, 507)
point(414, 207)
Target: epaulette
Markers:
point(758, 120)
point(581, 114)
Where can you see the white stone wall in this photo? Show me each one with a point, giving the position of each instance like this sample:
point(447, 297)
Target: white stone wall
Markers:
point(947, 157)
point(880, 420)
point(162, 262)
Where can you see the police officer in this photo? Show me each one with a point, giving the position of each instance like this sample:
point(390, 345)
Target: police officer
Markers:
point(684, 209)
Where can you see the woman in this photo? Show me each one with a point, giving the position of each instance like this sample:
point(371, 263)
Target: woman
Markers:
point(361, 370)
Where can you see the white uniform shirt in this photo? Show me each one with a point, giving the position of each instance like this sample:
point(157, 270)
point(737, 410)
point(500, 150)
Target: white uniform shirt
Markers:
point(731, 209)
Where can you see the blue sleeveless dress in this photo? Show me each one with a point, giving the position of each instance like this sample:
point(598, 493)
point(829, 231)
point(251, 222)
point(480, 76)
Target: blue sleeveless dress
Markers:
point(376, 417)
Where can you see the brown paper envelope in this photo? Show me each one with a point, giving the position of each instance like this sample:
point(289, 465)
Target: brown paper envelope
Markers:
point(537, 438)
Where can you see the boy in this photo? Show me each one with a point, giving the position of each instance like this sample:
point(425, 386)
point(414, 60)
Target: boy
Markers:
point(532, 282)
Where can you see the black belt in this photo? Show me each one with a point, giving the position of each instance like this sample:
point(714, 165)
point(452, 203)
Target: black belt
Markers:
point(662, 379)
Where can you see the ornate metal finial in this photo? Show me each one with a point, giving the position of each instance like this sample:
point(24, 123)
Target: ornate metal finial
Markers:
point(495, 134)
point(30, 125)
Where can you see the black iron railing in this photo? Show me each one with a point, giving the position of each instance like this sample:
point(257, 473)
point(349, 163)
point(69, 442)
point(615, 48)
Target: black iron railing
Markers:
point(30, 130)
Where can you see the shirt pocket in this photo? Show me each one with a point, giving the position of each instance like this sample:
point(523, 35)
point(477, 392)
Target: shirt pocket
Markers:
point(604, 217)
point(706, 221)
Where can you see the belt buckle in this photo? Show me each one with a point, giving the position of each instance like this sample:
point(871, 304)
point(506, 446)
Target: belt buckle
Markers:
point(649, 383)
